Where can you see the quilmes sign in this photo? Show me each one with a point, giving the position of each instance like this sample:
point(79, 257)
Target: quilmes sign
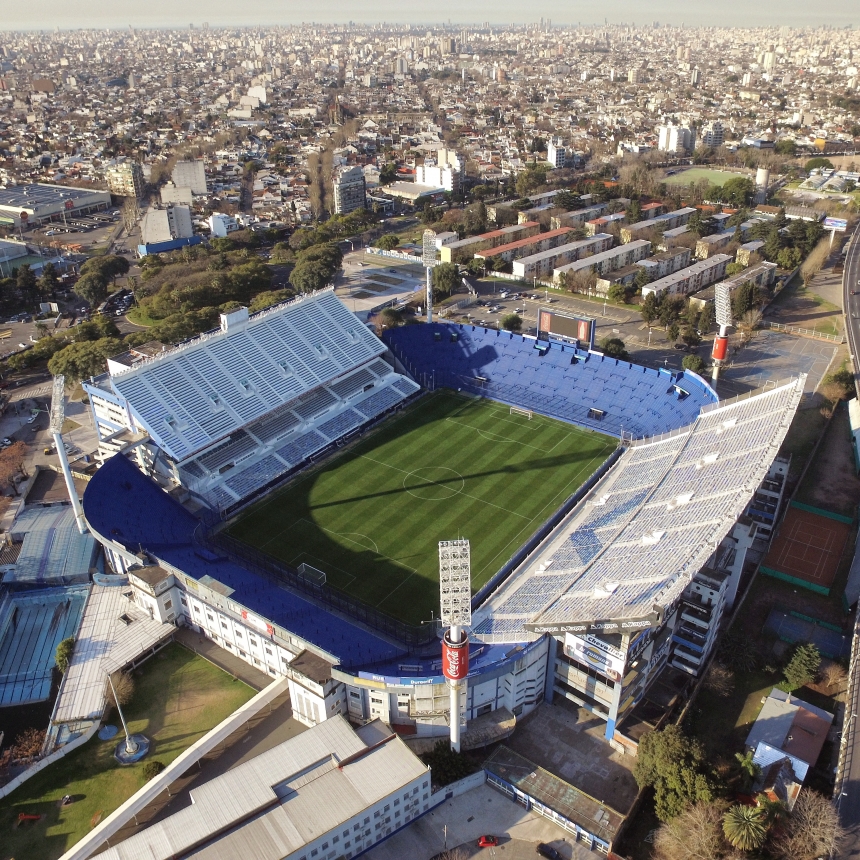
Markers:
point(838, 224)
point(595, 653)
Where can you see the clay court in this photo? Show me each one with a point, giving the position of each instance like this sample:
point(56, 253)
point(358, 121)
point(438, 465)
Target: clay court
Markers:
point(808, 547)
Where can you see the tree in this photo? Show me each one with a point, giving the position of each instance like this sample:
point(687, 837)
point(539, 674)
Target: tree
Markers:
point(719, 680)
point(123, 685)
point(49, 281)
point(63, 654)
point(747, 768)
point(315, 267)
point(649, 310)
point(512, 322)
point(614, 348)
point(446, 765)
point(388, 173)
point(817, 164)
point(803, 666)
point(445, 278)
point(744, 299)
point(388, 242)
point(151, 769)
point(690, 337)
point(388, 318)
point(79, 360)
point(707, 318)
point(694, 834)
point(672, 332)
point(566, 200)
point(25, 280)
point(837, 386)
point(812, 830)
point(674, 765)
point(634, 212)
point(12, 464)
point(617, 293)
point(744, 827)
point(693, 363)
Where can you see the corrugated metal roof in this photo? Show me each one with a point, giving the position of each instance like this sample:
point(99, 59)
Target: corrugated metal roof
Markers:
point(277, 802)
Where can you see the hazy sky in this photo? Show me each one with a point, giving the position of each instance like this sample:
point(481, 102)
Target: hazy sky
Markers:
point(68, 14)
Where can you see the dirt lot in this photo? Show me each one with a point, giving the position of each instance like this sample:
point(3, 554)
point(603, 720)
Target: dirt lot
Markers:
point(831, 481)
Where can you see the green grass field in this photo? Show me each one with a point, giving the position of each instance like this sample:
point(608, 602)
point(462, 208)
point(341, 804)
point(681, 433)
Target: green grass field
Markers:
point(449, 467)
point(178, 697)
point(696, 174)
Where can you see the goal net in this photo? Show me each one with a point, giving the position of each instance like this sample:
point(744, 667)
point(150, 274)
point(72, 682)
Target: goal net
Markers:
point(518, 410)
point(311, 574)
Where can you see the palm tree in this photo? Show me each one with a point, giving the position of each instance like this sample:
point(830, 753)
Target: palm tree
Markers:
point(748, 768)
point(744, 827)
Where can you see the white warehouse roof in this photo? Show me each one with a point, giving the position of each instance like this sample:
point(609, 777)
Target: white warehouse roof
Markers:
point(279, 801)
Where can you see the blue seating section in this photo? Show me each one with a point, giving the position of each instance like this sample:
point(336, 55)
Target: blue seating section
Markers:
point(340, 425)
point(379, 402)
point(296, 451)
point(555, 380)
point(121, 503)
point(256, 476)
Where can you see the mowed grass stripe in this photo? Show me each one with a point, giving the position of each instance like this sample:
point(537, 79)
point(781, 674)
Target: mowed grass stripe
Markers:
point(447, 467)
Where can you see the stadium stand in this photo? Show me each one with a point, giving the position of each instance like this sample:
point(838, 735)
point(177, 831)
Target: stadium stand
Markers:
point(238, 408)
point(649, 525)
point(557, 380)
point(125, 506)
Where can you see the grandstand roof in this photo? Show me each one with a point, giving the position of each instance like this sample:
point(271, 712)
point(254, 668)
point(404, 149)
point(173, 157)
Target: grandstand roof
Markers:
point(628, 551)
point(194, 395)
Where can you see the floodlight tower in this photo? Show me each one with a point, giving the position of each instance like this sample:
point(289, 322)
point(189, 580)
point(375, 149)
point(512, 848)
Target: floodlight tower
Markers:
point(723, 305)
point(428, 259)
point(58, 415)
point(455, 600)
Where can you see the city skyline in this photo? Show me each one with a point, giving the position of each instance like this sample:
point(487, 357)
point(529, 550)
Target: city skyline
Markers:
point(50, 14)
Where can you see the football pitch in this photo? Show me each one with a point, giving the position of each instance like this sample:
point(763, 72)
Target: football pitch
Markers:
point(447, 467)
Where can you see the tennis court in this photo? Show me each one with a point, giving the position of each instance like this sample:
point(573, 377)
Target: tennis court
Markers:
point(792, 627)
point(808, 547)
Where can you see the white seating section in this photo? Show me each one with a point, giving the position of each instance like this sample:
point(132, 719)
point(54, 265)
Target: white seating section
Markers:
point(214, 385)
point(649, 525)
point(277, 443)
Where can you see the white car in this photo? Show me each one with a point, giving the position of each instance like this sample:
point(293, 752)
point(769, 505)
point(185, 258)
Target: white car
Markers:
point(32, 418)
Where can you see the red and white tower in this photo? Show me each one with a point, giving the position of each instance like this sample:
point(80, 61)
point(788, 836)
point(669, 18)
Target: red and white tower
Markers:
point(455, 600)
point(723, 308)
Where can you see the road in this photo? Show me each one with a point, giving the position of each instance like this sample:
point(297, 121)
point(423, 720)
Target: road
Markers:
point(851, 303)
point(847, 794)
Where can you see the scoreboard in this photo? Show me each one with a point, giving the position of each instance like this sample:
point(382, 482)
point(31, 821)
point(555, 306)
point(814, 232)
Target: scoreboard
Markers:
point(566, 327)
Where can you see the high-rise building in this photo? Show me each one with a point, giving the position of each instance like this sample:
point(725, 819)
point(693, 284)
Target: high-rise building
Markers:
point(556, 153)
point(350, 190)
point(125, 180)
point(675, 138)
point(635, 76)
point(713, 134)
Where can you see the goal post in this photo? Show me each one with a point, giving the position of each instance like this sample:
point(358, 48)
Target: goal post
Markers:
point(518, 410)
point(312, 574)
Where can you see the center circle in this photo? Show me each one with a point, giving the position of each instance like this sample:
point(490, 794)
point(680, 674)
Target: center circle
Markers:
point(434, 483)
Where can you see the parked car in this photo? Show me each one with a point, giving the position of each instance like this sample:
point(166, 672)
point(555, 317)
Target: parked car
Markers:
point(488, 841)
point(548, 851)
point(32, 418)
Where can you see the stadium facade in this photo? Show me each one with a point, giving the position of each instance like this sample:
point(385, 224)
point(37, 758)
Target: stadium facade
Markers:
point(614, 606)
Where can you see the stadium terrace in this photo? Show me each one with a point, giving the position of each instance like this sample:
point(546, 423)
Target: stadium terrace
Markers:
point(617, 587)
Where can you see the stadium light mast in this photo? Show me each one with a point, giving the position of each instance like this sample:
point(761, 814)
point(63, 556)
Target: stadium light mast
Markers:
point(428, 260)
point(58, 415)
point(723, 305)
point(455, 601)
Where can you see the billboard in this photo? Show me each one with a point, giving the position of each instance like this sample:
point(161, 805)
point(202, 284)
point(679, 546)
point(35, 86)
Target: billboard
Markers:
point(838, 224)
point(596, 654)
point(567, 327)
point(597, 625)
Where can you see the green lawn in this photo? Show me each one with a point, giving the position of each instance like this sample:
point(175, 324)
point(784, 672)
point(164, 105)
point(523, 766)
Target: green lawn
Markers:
point(450, 467)
point(178, 698)
point(696, 174)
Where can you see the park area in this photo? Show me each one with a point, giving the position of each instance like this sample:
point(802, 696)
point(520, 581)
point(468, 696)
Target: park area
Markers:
point(697, 174)
point(448, 467)
point(178, 697)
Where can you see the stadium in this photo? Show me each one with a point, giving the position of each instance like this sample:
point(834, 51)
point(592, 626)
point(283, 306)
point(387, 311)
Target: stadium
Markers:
point(281, 484)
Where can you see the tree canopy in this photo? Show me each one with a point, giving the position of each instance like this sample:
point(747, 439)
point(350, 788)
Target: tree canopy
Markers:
point(675, 766)
point(87, 358)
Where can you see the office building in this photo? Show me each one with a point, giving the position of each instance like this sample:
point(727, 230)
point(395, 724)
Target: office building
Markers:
point(556, 153)
point(677, 139)
point(713, 134)
point(445, 171)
